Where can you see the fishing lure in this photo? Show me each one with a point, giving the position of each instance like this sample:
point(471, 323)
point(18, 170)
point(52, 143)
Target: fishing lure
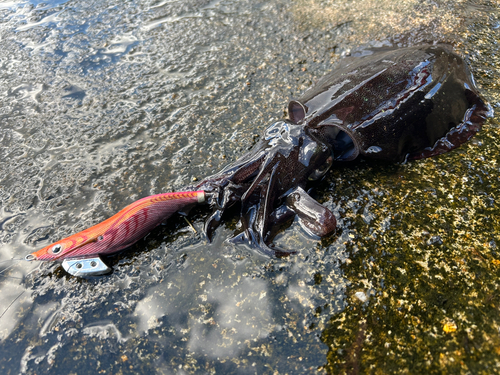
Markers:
point(81, 252)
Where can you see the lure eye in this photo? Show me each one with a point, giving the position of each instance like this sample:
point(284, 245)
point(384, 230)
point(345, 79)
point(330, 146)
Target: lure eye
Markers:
point(56, 249)
point(320, 172)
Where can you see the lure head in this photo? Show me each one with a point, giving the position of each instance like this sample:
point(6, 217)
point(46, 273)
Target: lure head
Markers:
point(63, 248)
point(75, 266)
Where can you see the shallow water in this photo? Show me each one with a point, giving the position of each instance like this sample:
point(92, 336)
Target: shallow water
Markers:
point(106, 102)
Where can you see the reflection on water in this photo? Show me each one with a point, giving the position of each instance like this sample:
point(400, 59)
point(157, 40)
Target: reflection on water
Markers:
point(106, 102)
point(235, 317)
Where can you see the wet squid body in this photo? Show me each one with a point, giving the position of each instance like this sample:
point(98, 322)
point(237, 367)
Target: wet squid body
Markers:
point(394, 105)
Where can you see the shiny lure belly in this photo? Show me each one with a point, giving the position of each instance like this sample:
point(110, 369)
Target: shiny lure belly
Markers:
point(394, 105)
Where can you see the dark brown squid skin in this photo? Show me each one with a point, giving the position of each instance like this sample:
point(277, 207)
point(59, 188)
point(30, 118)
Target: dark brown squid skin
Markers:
point(393, 105)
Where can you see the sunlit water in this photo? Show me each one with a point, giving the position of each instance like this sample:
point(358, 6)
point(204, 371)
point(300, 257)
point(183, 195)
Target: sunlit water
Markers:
point(105, 102)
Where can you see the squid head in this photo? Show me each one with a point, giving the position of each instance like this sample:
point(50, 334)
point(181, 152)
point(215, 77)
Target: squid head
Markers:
point(269, 182)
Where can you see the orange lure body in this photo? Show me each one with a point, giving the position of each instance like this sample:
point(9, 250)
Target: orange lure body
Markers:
point(121, 230)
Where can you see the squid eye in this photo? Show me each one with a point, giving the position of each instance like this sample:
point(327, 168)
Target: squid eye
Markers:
point(56, 249)
point(320, 172)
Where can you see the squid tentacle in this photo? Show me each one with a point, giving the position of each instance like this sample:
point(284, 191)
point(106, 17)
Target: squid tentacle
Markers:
point(255, 222)
point(264, 171)
point(221, 201)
